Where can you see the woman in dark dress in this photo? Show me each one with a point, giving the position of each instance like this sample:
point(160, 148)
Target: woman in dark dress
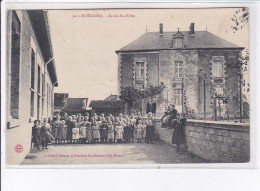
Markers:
point(127, 133)
point(149, 132)
point(70, 126)
point(178, 136)
point(103, 132)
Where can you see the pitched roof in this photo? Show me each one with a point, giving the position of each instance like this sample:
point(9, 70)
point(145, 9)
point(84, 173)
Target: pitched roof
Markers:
point(40, 24)
point(111, 98)
point(155, 41)
point(58, 108)
point(106, 104)
point(75, 104)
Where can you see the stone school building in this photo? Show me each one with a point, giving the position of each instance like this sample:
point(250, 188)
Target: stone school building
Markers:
point(31, 77)
point(192, 64)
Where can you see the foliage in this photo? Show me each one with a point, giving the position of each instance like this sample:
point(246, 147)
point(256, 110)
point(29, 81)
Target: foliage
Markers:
point(155, 90)
point(190, 113)
point(130, 94)
point(240, 19)
point(223, 97)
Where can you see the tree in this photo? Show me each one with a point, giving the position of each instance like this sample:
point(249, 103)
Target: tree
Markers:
point(240, 19)
point(130, 94)
point(224, 98)
point(240, 68)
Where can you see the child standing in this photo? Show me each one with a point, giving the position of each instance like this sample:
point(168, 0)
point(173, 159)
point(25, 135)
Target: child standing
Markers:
point(83, 131)
point(96, 133)
point(110, 128)
point(46, 134)
point(127, 133)
point(89, 131)
point(63, 131)
point(56, 129)
point(36, 134)
point(149, 132)
point(139, 130)
point(75, 132)
point(119, 131)
point(132, 130)
point(144, 130)
point(103, 132)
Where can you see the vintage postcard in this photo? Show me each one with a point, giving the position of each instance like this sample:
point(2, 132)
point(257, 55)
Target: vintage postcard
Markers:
point(127, 86)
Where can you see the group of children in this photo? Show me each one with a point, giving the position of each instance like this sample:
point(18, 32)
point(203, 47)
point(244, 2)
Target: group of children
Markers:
point(97, 129)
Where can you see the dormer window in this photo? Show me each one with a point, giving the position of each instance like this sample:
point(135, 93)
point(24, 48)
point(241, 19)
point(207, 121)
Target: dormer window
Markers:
point(177, 41)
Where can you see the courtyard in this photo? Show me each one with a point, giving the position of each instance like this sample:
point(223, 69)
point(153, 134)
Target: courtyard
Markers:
point(132, 153)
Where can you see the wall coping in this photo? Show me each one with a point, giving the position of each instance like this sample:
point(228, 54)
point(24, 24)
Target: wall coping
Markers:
point(217, 125)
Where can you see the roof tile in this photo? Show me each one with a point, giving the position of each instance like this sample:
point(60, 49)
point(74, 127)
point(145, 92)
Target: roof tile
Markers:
point(200, 40)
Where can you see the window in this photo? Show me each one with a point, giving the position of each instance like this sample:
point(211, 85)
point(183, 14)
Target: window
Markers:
point(32, 82)
point(177, 96)
point(38, 91)
point(178, 73)
point(39, 80)
point(218, 69)
point(177, 92)
point(140, 74)
point(178, 42)
point(32, 68)
point(42, 106)
point(15, 66)
point(43, 85)
point(32, 104)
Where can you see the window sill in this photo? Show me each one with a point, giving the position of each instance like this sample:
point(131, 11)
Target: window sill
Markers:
point(13, 123)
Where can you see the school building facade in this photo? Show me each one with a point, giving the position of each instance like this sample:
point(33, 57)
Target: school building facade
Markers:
point(193, 65)
point(31, 77)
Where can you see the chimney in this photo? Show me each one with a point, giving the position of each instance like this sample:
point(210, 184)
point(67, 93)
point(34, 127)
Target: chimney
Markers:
point(161, 29)
point(192, 30)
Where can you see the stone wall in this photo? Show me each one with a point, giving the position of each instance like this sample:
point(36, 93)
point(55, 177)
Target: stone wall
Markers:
point(213, 141)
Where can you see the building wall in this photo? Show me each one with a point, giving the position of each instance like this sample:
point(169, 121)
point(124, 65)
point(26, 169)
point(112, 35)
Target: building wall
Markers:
point(231, 80)
point(21, 134)
point(196, 65)
point(190, 78)
point(127, 68)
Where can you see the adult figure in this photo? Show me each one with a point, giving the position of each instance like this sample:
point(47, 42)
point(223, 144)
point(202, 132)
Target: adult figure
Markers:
point(178, 136)
point(70, 126)
point(171, 114)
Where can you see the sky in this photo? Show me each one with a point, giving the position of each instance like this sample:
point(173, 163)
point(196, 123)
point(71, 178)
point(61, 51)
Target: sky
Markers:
point(84, 47)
